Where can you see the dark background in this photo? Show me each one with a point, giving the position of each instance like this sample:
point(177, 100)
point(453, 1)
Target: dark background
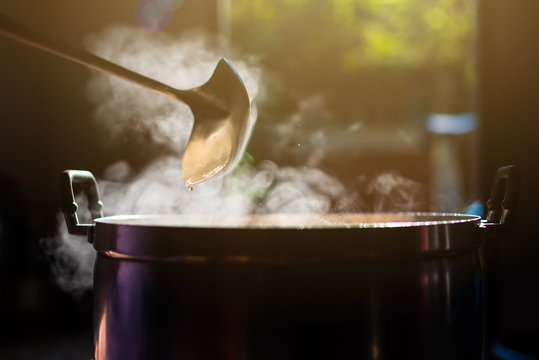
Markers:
point(509, 107)
point(46, 126)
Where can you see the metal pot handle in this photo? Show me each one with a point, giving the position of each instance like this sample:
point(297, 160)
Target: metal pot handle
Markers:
point(85, 181)
point(503, 202)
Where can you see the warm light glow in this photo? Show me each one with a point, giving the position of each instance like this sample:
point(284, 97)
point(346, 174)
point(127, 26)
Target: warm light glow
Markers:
point(370, 32)
point(100, 348)
point(387, 63)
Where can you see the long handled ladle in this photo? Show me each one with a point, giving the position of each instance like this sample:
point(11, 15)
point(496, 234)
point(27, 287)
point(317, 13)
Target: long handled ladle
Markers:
point(220, 106)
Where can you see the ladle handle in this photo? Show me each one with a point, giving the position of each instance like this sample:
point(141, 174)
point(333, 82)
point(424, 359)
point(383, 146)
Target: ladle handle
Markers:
point(85, 180)
point(17, 32)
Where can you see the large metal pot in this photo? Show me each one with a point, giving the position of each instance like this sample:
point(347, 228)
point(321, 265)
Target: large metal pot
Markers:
point(364, 286)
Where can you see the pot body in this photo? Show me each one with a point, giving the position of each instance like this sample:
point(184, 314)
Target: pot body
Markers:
point(336, 286)
point(427, 308)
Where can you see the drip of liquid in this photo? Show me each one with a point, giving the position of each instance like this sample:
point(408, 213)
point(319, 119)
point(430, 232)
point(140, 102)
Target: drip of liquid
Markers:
point(190, 187)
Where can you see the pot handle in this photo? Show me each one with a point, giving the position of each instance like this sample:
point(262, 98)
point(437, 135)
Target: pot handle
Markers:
point(503, 202)
point(84, 180)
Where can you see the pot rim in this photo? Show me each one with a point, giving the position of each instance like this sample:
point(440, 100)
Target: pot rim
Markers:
point(139, 238)
point(299, 221)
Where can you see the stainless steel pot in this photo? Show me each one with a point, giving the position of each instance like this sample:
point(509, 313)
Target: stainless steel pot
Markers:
point(367, 286)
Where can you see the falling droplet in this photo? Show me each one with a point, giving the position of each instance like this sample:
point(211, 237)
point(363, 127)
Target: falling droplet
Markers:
point(190, 187)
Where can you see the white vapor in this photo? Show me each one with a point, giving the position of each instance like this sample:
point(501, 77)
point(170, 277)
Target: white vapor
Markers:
point(253, 187)
point(182, 63)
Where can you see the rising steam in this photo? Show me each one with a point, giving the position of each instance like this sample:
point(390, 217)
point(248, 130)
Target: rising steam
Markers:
point(184, 63)
point(251, 188)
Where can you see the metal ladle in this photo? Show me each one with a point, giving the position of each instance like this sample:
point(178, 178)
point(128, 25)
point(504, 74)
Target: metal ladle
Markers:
point(220, 106)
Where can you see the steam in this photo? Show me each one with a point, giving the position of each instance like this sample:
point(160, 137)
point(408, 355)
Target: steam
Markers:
point(295, 137)
point(72, 258)
point(389, 191)
point(251, 188)
point(122, 107)
point(156, 15)
point(301, 190)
